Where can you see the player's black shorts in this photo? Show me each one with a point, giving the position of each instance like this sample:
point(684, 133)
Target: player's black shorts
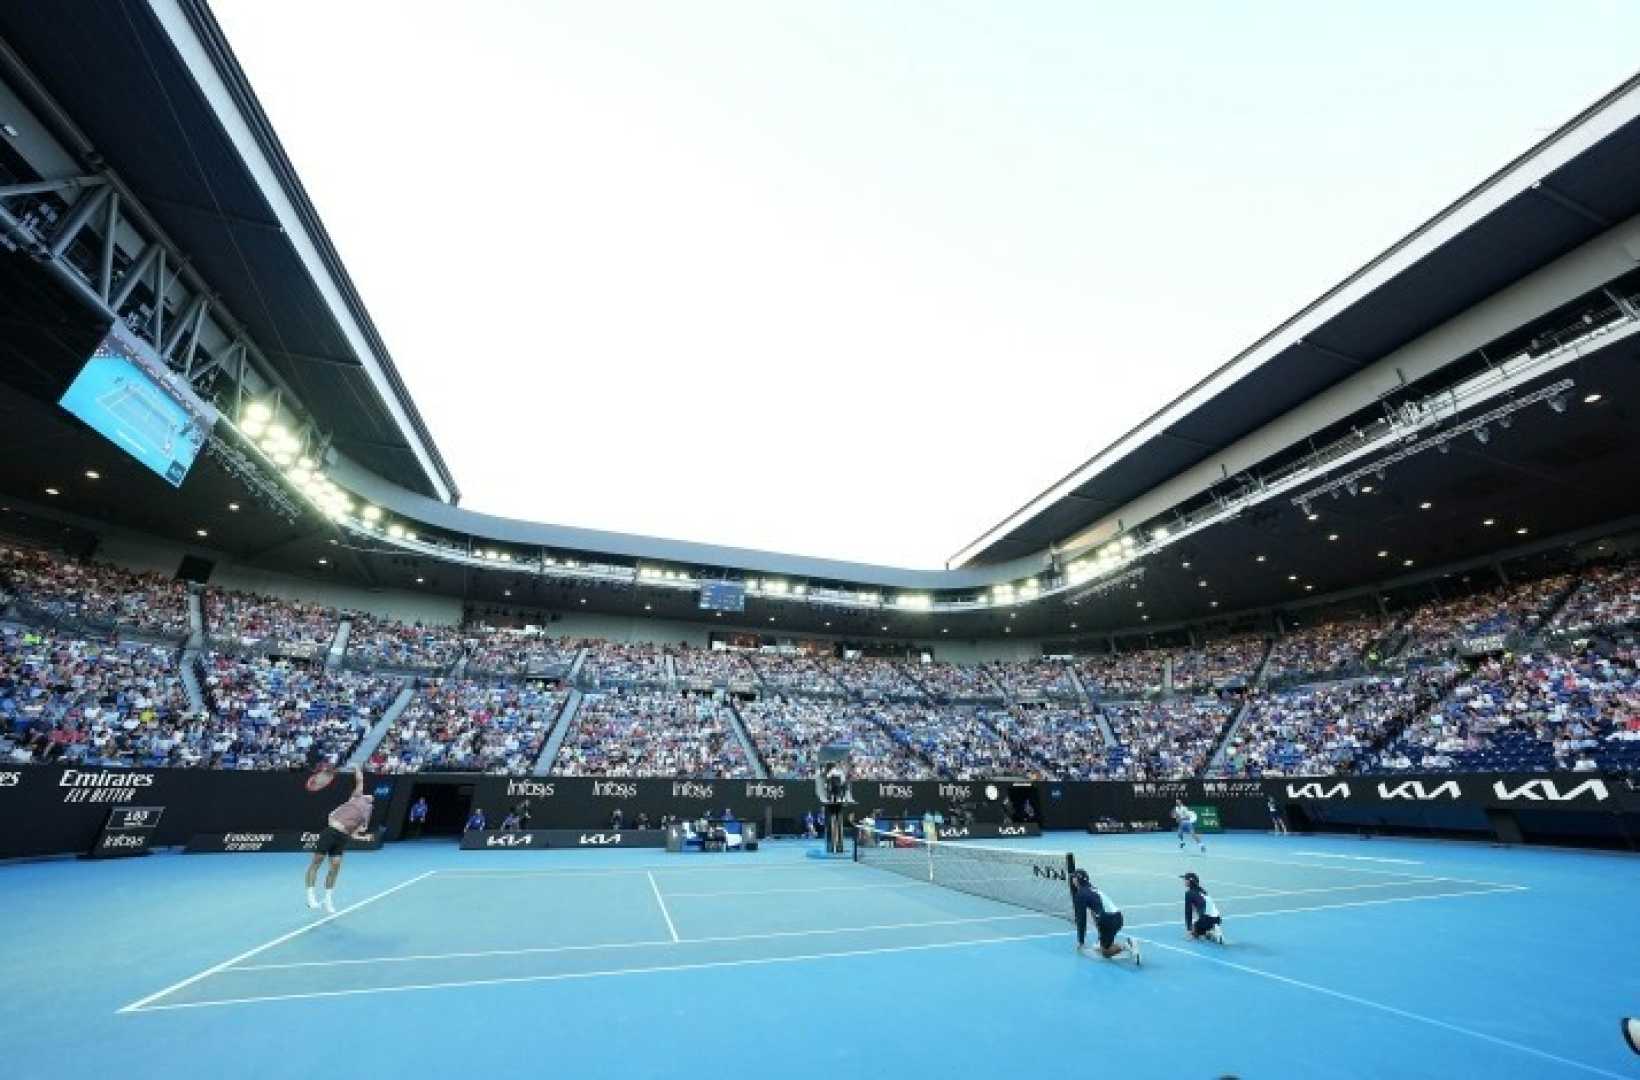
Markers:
point(1109, 924)
point(1204, 923)
point(332, 842)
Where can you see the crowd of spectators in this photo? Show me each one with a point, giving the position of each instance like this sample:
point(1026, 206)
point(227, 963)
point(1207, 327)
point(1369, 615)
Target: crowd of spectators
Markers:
point(958, 742)
point(1224, 662)
point(95, 593)
point(790, 732)
point(620, 663)
point(66, 699)
point(1033, 679)
point(255, 621)
point(518, 652)
point(713, 667)
point(651, 732)
point(797, 672)
point(1326, 650)
point(1115, 676)
point(1607, 596)
point(270, 713)
point(1063, 741)
point(470, 726)
point(374, 641)
point(1435, 628)
point(1167, 740)
point(876, 677)
point(956, 682)
point(1576, 711)
point(1328, 728)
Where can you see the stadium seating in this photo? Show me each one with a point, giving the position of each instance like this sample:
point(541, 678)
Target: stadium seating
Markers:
point(616, 663)
point(642, 731)
point(876, 677)
point(958, 742)
point(1531, 713)
point(379, 642)
point(1121, 676)
point(1166, 740)
point(713, 667)
point(66, 699)
point(790, 732)
point(1035, 680)
point(1225, 662)
point(1607, 597)
point(269, 713)
point(1324, 651)
point(235, 620)
point(515, 652)
point(1062, 741)
point(955, 682)
point(62, 589)
point(470, 726)
point(794, 673)
point(1436, 628)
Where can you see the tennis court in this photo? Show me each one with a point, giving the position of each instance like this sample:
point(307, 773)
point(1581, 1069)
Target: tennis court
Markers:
point(1343, 958)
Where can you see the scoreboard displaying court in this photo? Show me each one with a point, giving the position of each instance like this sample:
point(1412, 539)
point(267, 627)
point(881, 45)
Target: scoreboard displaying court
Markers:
point(722, 596)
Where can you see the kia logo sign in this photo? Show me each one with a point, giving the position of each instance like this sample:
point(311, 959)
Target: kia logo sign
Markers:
point(1549, 791)
point(1414, 789)
point(10, 779)
point(600, 839)
point(509, 840)
point(1316, 790)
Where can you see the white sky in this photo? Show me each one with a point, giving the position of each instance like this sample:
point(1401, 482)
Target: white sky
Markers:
point(859, 279)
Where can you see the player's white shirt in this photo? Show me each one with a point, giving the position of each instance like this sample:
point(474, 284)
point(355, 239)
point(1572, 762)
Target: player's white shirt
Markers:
point(1184, 815)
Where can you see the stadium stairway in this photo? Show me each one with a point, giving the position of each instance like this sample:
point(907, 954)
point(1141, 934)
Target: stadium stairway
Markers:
point(458, 670)
point(196, 621)
point(338, 644)
point(1216, 758)
point(671, 671)
point(378, 731)
point(1007, 695)
point(575, 668)
point(922, 687)
point(1263, 664)
point(189, 668)
point(561, 729)
point(760, 768)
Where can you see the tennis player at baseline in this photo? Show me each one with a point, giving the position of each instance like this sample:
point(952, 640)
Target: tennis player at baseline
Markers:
point(1186, 818)
point(1201, 915)
point(348, 821)
point(1107, 919)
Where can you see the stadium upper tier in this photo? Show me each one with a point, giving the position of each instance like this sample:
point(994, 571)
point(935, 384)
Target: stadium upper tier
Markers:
point(1496, 340)
point(1536, 674)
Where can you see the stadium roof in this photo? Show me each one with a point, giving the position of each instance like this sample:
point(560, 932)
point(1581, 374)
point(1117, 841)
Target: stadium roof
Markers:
point(1572, 186)
point(154, 90)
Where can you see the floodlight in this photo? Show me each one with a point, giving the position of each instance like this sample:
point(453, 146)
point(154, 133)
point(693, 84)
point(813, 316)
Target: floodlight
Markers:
point(396, 531)
point(371, 513)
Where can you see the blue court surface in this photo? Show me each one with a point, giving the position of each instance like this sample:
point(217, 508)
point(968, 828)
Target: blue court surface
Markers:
point(1343, 958)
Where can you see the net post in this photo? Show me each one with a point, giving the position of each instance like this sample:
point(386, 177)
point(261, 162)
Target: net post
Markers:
point(1070, 875)
point(856, 831)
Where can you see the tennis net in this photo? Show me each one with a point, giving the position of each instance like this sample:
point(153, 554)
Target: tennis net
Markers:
point(1038, 880)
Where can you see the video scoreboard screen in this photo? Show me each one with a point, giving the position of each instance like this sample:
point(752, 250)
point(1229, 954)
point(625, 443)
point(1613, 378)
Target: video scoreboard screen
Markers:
point(722, 596)
point(127, 395)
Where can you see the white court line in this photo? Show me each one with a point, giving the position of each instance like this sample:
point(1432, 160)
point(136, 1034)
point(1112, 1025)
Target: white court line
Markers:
point(810, 889)
point(667, 915)
point(1237, 916)
point(1164, 874)
point(609, 973)
point(1405, 1014)
point(658, 942)
point(1359, 870)
point(460, 872)
point(546, 949)
point(1358, 858)
point(142, 1003)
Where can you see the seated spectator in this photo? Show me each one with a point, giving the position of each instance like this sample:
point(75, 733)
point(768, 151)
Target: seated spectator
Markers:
point(790, 732)
point(252, 620)
point(377, 642)
point(95, 593)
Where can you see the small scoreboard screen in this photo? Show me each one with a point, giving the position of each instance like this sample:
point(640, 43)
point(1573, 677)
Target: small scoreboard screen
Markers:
point(127, 395)
point(723, 596)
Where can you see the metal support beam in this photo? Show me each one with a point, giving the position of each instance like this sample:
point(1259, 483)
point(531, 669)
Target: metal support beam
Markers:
point(156, 327)
point(77, 219)
point(133, 276)
point(41, 187)
point(186, 323)
point(193, 338)
point(308, 358)
point(111, 228)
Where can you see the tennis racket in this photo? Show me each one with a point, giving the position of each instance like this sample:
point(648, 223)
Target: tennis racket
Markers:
point(321, 777)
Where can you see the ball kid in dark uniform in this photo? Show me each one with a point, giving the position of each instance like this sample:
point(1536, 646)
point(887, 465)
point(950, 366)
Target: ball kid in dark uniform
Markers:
point(1107, 918)
point(1201, 915)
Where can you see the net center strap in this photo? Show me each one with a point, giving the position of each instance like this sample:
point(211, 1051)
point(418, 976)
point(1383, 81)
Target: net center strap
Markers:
point(1036, 880)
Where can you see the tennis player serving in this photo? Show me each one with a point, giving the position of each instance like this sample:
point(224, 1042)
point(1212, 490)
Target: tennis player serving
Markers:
point(349, 821)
